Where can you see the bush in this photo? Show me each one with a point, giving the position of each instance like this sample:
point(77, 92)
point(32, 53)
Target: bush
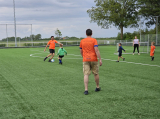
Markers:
point(39, 44)
point(27, 44)
point(2, 45)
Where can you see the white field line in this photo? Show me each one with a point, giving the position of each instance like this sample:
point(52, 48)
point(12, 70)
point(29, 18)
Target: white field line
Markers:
point(32, 55)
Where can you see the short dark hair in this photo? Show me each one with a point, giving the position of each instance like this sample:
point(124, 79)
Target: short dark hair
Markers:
point(52, 36)
point(120, 43)
point(88, 32)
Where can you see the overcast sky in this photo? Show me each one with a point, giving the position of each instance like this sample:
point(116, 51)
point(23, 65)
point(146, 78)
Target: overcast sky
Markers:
point(69, 16)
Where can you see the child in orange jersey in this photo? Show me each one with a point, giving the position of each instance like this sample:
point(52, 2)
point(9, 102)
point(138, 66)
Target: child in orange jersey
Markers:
point(152, 51)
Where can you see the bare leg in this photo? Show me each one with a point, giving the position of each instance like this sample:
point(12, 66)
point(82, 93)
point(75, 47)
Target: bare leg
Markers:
point(97, 80)
point(52, 56)
point(49, 54)
point(118, 58)
point(86, 82)
point(121, 57)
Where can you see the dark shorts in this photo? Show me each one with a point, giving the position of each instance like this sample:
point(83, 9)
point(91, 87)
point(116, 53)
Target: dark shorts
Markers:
point(120, 54)
point(51, 50)
point(61, 56)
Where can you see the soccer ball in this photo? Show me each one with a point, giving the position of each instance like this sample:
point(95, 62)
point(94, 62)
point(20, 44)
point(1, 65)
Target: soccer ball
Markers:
point(52, 60)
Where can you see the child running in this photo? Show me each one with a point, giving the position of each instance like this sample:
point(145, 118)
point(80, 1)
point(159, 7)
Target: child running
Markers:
point(152, 51)
point(61, 52)
point(120, 52)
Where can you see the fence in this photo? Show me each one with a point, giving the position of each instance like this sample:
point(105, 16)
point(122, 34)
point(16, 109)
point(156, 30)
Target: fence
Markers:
point(65, 43)
point(151, 38)
point(144, 38)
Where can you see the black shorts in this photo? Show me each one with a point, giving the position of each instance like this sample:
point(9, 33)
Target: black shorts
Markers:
point(51, 50)
point(120, 54)
point(61, 56)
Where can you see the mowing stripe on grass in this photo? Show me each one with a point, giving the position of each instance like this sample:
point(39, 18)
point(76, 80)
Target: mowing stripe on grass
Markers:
point(32, 55)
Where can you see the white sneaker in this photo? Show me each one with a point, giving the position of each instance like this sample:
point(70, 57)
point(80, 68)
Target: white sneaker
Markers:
point(138, 53)
point(133, 53)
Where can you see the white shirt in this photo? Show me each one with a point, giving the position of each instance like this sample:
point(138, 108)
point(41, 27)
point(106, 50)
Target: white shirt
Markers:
point(135, 41)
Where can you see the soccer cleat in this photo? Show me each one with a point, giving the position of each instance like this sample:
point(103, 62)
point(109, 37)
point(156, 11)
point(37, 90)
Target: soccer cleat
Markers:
point(117, 61)
point(133, 53)
point(97, 89)
point(138, 53)
point(123, 59)
point(86, 92)
point(49, 60)
point(45, 58)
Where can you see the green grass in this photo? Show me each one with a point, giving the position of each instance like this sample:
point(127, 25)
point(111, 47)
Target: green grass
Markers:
point(33, 89)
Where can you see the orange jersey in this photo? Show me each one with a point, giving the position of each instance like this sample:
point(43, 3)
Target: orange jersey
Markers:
point(51, 44)
point(87, 45)
point(152, 50)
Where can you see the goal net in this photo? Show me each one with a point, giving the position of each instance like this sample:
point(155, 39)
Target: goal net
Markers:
point(128, 46)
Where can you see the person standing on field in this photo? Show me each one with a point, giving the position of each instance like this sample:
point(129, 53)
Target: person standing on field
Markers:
point(136, 44)
point(89, 51)
point(51, 45)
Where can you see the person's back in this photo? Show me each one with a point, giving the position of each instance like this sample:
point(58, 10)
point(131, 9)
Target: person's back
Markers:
point(89, 53)
point(62, 51)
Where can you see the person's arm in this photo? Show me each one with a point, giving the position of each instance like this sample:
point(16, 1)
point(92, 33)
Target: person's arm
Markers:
point(138, 43)
point(65, 51)
point(98, 55)
point(154, 50)
point(59, 43)
point(133, 42)
point(123, 49)
point(81, 51)
point(58, 51)
point(46, 47)
point(80, 47)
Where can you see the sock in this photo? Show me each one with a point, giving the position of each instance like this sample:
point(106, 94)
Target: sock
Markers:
point(59, 61)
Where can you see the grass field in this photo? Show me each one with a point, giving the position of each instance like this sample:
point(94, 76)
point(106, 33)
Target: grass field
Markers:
point(33, 89)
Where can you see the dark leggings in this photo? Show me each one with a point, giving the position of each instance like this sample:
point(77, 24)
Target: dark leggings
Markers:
point(136, 46)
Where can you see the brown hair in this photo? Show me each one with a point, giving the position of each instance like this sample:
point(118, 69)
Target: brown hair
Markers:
point(153, 43)
point(60, 45)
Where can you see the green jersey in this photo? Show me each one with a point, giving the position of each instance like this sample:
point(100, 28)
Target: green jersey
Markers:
point(61, 51)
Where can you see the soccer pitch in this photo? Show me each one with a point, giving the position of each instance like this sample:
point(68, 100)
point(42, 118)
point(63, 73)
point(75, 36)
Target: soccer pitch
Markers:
point(33, 89)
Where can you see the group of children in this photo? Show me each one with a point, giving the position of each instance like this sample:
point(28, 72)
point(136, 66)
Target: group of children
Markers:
point(62, 52)
point(152, 51)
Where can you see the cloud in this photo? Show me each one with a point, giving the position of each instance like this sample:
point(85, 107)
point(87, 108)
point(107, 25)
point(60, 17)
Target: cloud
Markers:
point(69, 16)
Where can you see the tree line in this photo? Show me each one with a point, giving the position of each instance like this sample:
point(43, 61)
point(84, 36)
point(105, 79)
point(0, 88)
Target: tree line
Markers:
point(126, 36)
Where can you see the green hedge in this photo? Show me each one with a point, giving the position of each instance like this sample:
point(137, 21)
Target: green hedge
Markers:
point(35, 44)
point(2, 45)
point(27, 44)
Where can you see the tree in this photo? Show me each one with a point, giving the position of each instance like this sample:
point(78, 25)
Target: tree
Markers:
point(33, 37)
point(38, 37)
point(149, 9)
point(119, 13)
point(58, 33)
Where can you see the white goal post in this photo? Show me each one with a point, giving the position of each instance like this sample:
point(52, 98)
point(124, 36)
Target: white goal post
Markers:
point(128, 46)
